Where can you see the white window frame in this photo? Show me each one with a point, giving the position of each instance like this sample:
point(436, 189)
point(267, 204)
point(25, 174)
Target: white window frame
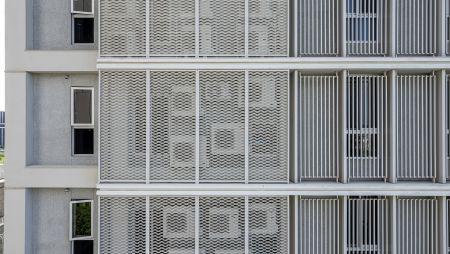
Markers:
point(91, 237)
point(72, 101)
point(82, 12)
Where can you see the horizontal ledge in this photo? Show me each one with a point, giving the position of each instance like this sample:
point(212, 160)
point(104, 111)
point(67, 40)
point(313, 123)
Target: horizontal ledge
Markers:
point(313, 189)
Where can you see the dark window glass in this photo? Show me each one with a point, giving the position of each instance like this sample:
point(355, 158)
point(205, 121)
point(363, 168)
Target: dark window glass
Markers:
point(83, 140)
point(82, 106)
point(81, 219)
point(82, 5)
point(83, 247)
point(83, 30)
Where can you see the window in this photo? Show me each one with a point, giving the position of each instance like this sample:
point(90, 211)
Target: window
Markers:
point(81, 225)
point(83, 30)
point(361, 20)
point(83, 6)
point(82, 119)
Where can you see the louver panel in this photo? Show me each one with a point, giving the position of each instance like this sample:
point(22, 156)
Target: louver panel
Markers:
point(122, 225)
point(172, 126)
point(367, 27)
point(416, 127)
point(222, 126)
point(172, 27)
point(268, 126)
point(222, 28)
point(268, 225)
point(318, 27)
point(222, 223)
point(268, 27)
point(123, 126)
point(367, 230)
point(318, 226)
point(367, 125)
point(416, 27)
point(172, 225)
point(417, 226)
point(318, 127)
point(122, 28)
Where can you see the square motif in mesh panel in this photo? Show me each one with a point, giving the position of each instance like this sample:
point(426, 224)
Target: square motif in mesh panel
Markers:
point(268, 27)
point(222, 131)
point(222, 27)
point(268, 126)
point(222, 225)
point(268, 225)
point(172, 27)
point(122, 28)
point(122, 225)
point(123, 126)
point(172, 225)
point(172, 126)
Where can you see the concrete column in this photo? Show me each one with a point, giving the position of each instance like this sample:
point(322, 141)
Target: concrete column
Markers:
point(392, 222)
point(343, 224)
point(441, 128)
point(342, 126)
point(343, 28)
point(441, 33)
point(392, 130)
point(442, 219)
point(392, 43)
point(17, 221)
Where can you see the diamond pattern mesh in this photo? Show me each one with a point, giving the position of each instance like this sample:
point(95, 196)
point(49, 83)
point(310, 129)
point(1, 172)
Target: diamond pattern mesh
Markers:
point(222, 225)
point(268, 27)
point(222, 134)
point(172, 126)
point(268, 225)
point(172, 27)
point(222, 27)
point(268, 126)
point(122, 225)
point(123, 126)
point(122, 28)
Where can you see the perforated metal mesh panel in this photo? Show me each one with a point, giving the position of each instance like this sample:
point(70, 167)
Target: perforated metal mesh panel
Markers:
point(172, 27)
point(172, 126)
point(416, 126)
point(172, 225)
point(318, 226)
point(222, 223)
point(123, 126)
point(122, 28)
point(417, 226)
point(367, 230)
point(268, 126)
point(268, 27)
point(222, 131)
point(416, 27)
point(367, 144)
point(319, 27)
point(268, 225)
point(122, 225)
point(318, 127)
point(222, 30)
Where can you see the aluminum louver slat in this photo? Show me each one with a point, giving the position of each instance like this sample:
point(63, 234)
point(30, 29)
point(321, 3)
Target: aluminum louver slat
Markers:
point(123, 126)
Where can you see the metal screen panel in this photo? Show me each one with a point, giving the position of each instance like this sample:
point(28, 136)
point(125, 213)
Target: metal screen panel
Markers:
point(417, 226)
point(367, 27)
point(319, 27)
point(367, 225)
point(318, 226)
point(222, 28)
point(172, 126)
point(171, 225)
point(122, 28)
point(367, 127)
point(268, 27)
point(416, 27)
point(318, 127)
point(172, 27)
point(123, 126)
point(416, 127)
point(268, 225)
point(222, 126)
point(122, 225)
point(268, 126)
point(222, 223)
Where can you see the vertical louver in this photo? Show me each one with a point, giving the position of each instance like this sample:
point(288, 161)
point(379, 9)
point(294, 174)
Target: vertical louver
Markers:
point(416, 127)
point(318, 130)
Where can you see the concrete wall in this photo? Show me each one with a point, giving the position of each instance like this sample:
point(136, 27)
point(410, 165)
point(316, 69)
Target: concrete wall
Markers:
point(52, 136)
point(52, 25)
point(50, 219)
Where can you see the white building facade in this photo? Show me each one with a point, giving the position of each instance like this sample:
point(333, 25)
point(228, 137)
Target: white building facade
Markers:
point(227, 127)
